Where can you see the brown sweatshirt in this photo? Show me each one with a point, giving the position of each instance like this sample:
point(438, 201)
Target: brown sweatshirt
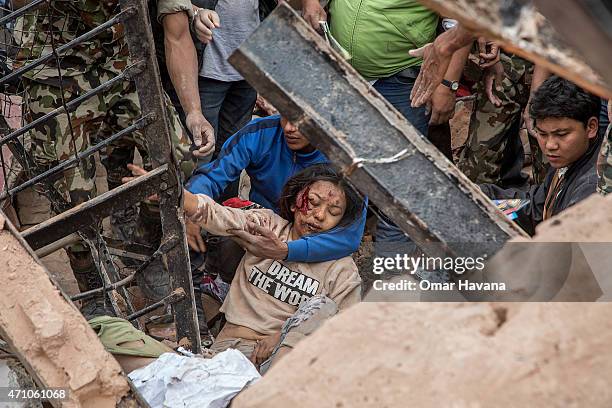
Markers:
point(266, 292)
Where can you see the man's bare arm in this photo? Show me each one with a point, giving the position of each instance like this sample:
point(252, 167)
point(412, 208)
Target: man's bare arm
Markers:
point(182, 64)
point(540, 74)
point(436, 61)
point(443, 99)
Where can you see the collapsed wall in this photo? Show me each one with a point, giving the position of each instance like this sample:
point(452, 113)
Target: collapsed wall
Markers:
point(447, 354)
point(50, 336)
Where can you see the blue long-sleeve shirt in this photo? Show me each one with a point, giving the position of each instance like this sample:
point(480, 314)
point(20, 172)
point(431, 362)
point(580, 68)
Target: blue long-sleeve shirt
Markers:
point(261, 150)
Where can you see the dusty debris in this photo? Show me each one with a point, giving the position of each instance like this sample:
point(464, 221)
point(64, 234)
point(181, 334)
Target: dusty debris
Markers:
point(568, 259)
point(427, 355)
point(588, 221)
point(49, 334)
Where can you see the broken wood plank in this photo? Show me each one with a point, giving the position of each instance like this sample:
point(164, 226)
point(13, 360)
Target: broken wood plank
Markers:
point(380, 152)
point(50, 337)
point(521, 29)
point(94, 210)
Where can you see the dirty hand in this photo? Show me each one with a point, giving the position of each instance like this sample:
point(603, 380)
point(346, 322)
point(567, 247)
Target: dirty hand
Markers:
point(312, 12)
point(264, 347)
point(488, 57)
point(137, 172)
point(493, 77)
point(204, 21)
point(194, 237)
point(202, 132)
point(434, 66)
point(441, 105)
point(260, 241)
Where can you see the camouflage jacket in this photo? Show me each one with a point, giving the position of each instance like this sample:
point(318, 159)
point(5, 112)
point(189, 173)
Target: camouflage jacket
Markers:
point(67, 20)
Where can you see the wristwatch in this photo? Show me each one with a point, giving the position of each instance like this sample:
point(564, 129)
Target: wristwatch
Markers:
point(452, 85)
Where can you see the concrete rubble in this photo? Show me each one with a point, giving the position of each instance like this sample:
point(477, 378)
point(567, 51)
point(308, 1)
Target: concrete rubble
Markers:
point(50, 336)
point(462, 355)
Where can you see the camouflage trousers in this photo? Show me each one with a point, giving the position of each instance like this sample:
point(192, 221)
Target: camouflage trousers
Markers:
point(604, 165)
point(494, 131)
point(95, 119)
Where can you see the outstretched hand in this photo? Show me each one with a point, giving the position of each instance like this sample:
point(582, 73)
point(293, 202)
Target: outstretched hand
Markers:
point(431, 75)
point(137, 171)
point(436, 60)
point(260, 241)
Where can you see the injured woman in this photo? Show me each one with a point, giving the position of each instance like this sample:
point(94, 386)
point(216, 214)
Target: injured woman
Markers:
point(266, 293)
point(272, 304)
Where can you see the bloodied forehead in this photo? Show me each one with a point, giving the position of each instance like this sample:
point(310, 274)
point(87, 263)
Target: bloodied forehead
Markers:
point(328, 192)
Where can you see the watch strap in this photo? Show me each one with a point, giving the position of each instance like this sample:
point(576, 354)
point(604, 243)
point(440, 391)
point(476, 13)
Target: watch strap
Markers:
point(452, 85)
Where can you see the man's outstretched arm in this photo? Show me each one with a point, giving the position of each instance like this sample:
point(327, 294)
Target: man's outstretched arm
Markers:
point(436, 60)
point(182, 64)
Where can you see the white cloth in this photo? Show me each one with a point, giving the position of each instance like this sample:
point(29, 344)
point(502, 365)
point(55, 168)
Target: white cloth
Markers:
point(175, 381)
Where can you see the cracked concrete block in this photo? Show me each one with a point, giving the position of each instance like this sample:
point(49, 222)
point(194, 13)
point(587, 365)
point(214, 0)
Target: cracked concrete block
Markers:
point(460, 355)
point(52, 339)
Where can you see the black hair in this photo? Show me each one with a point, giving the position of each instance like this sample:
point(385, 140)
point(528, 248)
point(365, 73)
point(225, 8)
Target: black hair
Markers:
point(560, 98)
point(310, 175)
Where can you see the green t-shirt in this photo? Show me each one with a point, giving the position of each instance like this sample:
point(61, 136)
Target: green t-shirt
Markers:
point(379, 33)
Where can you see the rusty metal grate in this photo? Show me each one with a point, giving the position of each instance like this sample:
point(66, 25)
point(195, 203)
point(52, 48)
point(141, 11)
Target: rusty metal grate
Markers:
point(21, 171)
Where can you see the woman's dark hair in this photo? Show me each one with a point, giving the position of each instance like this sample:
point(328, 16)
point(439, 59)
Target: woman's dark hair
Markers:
point(560, 98)
point(310, 175)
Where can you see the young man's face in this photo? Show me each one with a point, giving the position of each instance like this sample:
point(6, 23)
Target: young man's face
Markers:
point(295, 140)
point(564, 140)
point(318, 208)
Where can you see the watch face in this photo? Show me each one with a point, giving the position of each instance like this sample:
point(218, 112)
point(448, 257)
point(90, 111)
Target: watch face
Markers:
point(455, 86)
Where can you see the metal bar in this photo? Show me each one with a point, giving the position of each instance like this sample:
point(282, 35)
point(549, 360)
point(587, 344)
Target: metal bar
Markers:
point(177, 295)
point(57, 245)
point(518, 26)
point(88, 234)
point(128, 74)
point(58, 203)
point(139, 124)
point(139, 250)
point(164, 247)
point(88, 213)
point(379, 151)
point(19, 12)
point(140, 43)
point(128, 12)
point(127, 254)
point(112, 274)
point(112, 294)
point(112, 286)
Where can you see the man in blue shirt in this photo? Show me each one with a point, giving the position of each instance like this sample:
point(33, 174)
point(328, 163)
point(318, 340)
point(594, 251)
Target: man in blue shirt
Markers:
point(271, 150)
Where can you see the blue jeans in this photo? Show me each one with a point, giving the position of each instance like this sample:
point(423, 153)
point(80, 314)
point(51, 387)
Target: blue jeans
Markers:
point(396, 89)
point(228, 106)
